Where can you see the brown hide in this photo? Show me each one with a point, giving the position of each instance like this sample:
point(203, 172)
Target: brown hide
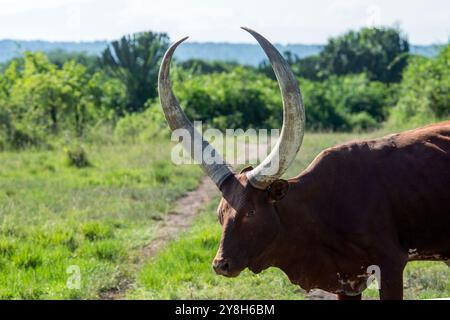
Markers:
point(378, 202)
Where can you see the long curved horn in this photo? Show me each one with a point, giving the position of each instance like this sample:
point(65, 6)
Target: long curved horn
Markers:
point(218, 170)
point(284, 152)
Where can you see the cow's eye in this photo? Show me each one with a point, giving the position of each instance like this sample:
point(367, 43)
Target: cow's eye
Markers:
point(250, 213)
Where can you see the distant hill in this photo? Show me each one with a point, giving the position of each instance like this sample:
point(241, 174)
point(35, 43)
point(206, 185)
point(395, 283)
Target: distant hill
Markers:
point(13, 48)
point(250, 54)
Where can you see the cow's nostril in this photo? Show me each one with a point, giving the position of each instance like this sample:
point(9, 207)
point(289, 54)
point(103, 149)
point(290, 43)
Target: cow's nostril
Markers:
point(221, 266)
point(224, 266)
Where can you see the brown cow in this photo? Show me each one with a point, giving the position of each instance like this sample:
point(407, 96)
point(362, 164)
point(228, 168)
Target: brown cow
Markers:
point(358, 208)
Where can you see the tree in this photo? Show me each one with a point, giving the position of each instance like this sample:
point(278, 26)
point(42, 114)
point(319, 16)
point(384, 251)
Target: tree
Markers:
point(308, 68)
point(265, 68)
point(241, 98)
point(134, 59)
point(7, 80)
point(59, 57)
point(321, 114)
point(425, 90)
point(354, 94)
point(40, 100)
point(380, 52)
point(198, 66)
point(36, 95)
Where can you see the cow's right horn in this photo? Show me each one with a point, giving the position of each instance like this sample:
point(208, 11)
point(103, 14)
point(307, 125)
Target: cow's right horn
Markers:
point(218, 170)
point(284, 152)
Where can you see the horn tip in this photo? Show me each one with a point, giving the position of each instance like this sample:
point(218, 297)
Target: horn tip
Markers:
point(175, 44)
point(247, 29)
point(255, 34)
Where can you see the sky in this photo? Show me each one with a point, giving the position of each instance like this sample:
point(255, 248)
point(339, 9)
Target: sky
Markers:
point(281, 21)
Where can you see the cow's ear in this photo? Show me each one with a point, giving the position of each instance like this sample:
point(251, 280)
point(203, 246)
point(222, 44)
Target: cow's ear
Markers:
point(278, 189)
point(249, 168)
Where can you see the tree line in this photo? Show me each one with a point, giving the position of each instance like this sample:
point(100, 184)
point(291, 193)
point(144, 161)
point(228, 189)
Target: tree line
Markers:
point(358, 81)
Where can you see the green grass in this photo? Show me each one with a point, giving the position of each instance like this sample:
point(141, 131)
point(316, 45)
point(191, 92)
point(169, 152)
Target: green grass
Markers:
point(183, 269)
point(423, 280)
point(54, 215)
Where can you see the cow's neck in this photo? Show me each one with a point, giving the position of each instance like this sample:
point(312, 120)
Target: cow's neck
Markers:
point(302, 245)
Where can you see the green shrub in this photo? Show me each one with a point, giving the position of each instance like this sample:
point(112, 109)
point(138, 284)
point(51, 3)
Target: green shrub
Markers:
point(15, 135)
point(103, 250)
point(241, 98)
point(321, 114)
point(244, 99)
point(144, 126)
point(7, 247)
point(40, 100)
point(162, 171)
point(363, 121)
point(77, 157)
point(349, 102)
point(94, 230)
point(28, 257)
point(424, 91)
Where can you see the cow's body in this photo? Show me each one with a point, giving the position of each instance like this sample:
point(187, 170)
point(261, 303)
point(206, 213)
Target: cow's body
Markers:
point(379, 202)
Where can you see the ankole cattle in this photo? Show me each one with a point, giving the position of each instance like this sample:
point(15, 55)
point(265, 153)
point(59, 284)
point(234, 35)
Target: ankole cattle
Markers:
point(358, 208)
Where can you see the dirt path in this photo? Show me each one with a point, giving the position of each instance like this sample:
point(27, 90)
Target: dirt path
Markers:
point(180, 219)
point(174, 223)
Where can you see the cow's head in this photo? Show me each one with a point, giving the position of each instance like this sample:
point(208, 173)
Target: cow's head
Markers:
point(246, 211)
point(250, 224)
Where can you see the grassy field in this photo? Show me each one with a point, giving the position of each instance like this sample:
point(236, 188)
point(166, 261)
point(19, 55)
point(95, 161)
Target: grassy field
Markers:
point(183, 270)
point(95, 219)
point(56, 219)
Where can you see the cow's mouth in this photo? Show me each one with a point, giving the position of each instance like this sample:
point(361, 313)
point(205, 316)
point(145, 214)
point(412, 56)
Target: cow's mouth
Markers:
point(231, 273)
point(256, 269)
point(226, 268)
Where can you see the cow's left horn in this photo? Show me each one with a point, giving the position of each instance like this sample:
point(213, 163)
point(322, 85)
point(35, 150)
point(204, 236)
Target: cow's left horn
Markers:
point(286, 148)
point(218, 170)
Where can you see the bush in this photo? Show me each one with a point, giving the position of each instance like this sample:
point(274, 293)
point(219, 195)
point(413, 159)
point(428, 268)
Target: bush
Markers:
point(40, 100)
point(162, 171)
point(354, 94)
point(77, 157)
point(19, 137)
point(241, 98)
point(94, 230)
point(144, 126)
point(198, 66)
point(245, 99)
point(321, 114)
point(424, 91)
point(363, 121)
point(346, 102)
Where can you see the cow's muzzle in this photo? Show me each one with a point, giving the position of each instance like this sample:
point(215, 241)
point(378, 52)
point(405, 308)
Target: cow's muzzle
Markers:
point(224, 267)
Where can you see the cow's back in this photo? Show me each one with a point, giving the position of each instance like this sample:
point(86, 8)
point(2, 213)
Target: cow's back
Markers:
point(416, 175)
point(395, 186)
